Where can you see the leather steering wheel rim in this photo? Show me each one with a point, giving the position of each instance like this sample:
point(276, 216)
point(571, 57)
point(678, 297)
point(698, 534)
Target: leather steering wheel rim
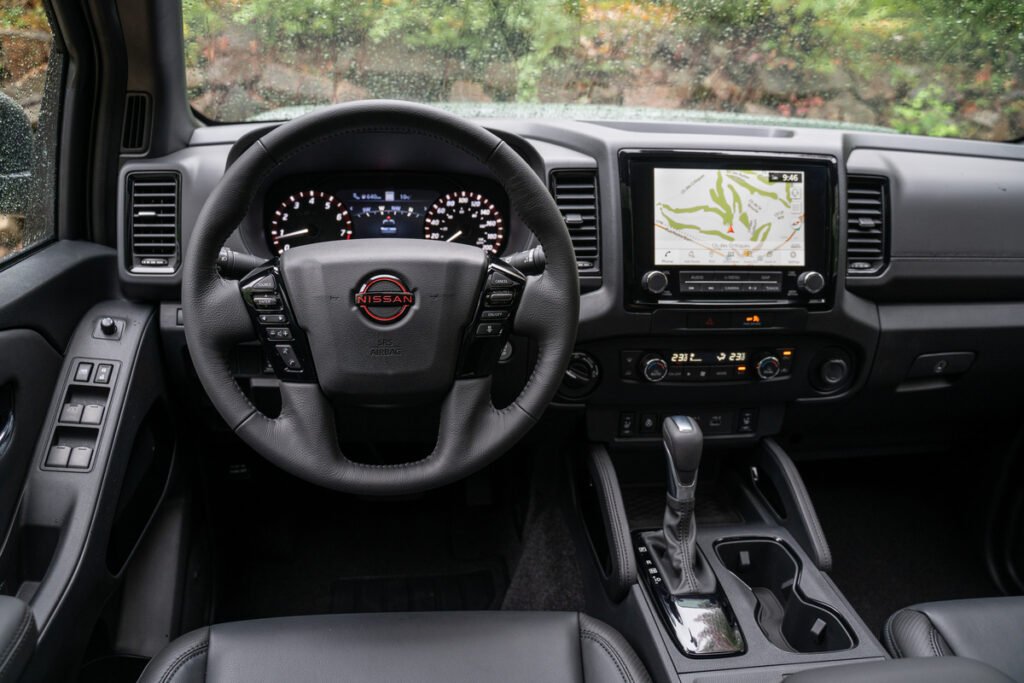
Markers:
point(303, 438)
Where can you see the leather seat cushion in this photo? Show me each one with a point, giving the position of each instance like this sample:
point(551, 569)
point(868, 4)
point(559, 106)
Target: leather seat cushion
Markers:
point(990, 630)
point(527, 647)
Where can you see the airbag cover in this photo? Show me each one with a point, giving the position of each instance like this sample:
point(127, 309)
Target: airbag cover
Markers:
point(384, 317)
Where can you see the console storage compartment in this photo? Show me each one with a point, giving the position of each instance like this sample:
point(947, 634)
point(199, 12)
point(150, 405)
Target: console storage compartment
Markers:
point(788, 619)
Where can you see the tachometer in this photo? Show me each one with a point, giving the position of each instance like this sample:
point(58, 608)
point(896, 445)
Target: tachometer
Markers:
point(466, 217)
point(306, 217)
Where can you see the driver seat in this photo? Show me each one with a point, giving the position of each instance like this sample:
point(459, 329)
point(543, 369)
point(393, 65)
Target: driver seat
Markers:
point(527, 647)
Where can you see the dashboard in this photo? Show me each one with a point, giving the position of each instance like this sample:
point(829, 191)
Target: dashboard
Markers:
point(838, 286)
point(306, 209)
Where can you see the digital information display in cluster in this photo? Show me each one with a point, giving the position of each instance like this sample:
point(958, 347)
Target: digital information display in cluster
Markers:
point(720, 217)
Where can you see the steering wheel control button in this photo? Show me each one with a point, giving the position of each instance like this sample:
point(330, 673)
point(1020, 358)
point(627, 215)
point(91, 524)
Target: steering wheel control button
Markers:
point(384, 299)
point(267, 283)
point(273, 319)
point(501, 297)
point(81, 458)
point(266, 301)
point(499, 280)
point(489, 329)
point(71, 413)
point(278, 334)
point(103, 372)
point(655, 368)
point(490, 316)
point(83, 372)
point(287, 355)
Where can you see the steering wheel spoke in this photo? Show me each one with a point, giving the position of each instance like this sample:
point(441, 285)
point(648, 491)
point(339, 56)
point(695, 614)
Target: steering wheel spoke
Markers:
point(284, 343)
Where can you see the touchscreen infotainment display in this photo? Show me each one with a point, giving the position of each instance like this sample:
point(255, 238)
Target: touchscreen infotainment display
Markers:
point(721, 217)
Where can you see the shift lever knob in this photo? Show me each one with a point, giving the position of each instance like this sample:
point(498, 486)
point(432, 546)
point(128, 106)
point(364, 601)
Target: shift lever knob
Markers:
point(684, 443)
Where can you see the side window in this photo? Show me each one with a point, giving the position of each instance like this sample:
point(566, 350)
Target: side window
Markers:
point(30, 74)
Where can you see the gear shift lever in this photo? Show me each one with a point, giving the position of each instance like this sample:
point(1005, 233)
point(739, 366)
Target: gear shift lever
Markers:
point(684, 444)
point(685, 587)
point(675, 547)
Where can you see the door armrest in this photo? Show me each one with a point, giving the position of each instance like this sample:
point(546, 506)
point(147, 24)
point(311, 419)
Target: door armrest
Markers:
point(17, 637)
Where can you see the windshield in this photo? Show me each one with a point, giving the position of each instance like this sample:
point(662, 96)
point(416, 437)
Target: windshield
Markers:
point(931, 67)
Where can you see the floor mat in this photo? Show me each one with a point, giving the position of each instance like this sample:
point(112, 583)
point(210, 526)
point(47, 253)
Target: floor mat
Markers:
point(901, 531)
point(478, 590)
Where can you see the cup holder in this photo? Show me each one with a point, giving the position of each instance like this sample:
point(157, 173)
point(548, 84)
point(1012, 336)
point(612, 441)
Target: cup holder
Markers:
point(789, 620)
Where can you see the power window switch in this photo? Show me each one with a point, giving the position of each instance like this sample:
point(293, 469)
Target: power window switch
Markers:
point(92, 414)
point(71, 412)
point(83, 372)
point(81, 458)
point(58, 456)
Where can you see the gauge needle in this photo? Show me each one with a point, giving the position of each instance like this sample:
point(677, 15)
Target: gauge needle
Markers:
point(293, 234)
point(454, 237)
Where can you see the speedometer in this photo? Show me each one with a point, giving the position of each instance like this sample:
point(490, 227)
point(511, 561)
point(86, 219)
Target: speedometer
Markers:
point(307, 217)
point(466, 217)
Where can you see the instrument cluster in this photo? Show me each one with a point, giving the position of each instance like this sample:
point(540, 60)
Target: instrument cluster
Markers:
point(310, 209)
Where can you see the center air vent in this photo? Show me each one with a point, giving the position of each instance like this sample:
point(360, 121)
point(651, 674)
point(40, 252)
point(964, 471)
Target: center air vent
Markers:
point(575, 193)
point(867, 226)
point(153, 226)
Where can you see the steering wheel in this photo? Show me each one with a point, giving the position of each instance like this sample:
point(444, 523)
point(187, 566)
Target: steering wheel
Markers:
point(380, 321)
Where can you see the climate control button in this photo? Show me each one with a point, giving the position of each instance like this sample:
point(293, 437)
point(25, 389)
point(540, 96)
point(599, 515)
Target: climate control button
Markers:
point(769, 367)
point(654, 368)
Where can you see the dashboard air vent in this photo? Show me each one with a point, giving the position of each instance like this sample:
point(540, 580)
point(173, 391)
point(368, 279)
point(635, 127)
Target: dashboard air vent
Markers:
point(153, 225)
point(867, 228)
point(135, 133)
point(575, 193)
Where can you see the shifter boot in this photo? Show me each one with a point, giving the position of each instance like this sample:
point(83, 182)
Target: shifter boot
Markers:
point(674, 548)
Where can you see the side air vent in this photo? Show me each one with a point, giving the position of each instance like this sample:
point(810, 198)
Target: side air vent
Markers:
point(153, 226)
point(867, 228)
point(575, 193)
point(135, 133)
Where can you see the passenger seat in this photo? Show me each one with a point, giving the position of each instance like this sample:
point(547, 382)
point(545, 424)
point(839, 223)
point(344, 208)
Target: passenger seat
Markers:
point(990, 630)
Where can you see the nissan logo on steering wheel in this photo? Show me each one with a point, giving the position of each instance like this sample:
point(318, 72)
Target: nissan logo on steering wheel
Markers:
point(384, 299)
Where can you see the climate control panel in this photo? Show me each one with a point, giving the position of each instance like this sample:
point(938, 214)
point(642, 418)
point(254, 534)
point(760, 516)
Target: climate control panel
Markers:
point(714, 365)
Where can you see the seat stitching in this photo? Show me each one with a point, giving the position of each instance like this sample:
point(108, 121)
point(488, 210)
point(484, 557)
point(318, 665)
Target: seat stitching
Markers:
point(932, 637)
point(610, 651)
point(183, 659)
point(19, 641)
point(891, 636)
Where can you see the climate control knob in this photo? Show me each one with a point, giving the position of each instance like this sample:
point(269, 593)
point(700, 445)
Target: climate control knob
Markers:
point(654, 367)
point(769, 367)
point(810, 282)
point(654, 281)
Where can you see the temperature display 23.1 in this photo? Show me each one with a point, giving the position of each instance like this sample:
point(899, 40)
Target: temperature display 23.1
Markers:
point(708, 357)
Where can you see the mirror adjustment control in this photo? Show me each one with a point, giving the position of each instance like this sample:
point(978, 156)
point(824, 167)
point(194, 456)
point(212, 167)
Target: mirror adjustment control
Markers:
point(654, 368)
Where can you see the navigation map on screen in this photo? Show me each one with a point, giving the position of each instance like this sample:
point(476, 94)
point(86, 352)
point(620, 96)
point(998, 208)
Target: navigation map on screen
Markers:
point(705, 217)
